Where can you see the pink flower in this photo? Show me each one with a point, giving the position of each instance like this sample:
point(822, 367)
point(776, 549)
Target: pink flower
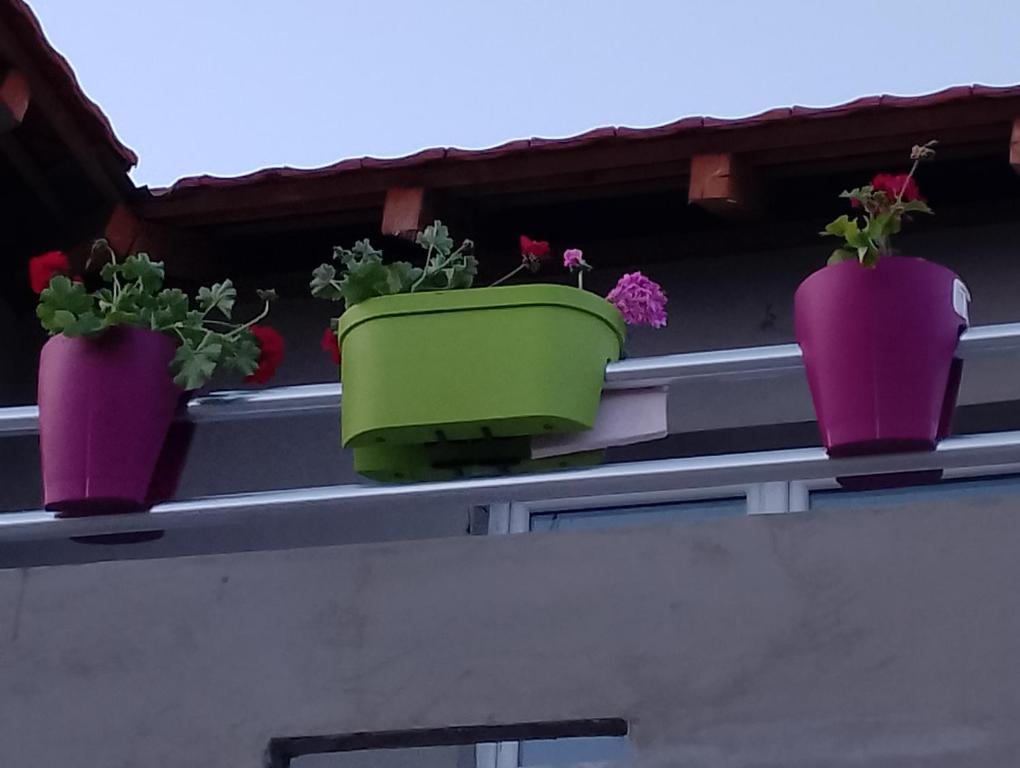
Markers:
point(892, 183)
point(641, 301)
point(573, 258)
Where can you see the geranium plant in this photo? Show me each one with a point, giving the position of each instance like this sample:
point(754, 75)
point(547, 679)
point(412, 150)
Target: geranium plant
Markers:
point(885, 202)
point(134, 295)
point(362, 274)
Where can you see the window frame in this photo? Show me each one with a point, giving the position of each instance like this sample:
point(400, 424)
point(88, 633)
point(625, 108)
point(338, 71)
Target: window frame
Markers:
point(801, 490)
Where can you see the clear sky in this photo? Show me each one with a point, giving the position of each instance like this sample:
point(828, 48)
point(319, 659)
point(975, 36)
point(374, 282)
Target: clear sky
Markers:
point(229, 86)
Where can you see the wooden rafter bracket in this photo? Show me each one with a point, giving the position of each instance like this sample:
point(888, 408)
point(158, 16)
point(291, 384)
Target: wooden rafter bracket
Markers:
point(1014, 146)
point(407, 211)
point(127, 233)
point(14, 99)
point(723, 184)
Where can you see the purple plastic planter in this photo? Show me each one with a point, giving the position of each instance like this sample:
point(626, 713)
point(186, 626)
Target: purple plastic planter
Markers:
point(879, 350)
point(105, 409)
point(170, 466)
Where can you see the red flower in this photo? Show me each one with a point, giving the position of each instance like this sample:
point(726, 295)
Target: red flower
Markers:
point(533, 250)
point(331, 344)
point(271, 344)
point(892, 183)
point(42, 269)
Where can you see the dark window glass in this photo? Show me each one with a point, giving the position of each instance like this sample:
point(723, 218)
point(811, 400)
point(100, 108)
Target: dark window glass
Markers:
point(622, 517)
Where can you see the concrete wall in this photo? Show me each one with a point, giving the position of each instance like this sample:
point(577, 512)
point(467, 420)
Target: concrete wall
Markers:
point(887, 638)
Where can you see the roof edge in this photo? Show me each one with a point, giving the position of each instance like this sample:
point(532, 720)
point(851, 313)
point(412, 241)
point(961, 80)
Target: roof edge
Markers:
point(686, 125)
point(61, 77)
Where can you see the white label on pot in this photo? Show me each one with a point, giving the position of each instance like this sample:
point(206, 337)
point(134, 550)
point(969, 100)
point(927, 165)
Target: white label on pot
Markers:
point(961, 298)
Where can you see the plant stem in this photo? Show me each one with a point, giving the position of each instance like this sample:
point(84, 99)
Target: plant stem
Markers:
point(250, 323)
point(430, 271)
point(906, 181)
point(509, 275)
point(924, 152)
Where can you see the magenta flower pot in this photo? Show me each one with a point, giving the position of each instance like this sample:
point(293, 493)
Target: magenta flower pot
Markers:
point(105, 408)
point(172, 458)
point(879, 349)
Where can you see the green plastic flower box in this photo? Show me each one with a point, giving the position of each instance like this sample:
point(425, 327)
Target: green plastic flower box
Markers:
point(474, 364)
point(461, 460)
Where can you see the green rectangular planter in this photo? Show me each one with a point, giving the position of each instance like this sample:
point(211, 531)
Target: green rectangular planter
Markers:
point(461, 460)
point(474, 364)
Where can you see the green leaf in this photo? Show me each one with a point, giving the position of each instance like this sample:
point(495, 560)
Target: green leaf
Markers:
point(117, 317)
point(437, 237)
point(364, 275)
point(400, 276)
point(104, 297)
point(241, 354)
point(915, 206)
point(840, 255)
point(838, 227)
point(267, 294)
point(880, 227)
point(322, 283)
point(69, 324)
point(192, 366)
point(66, 307)
point(364, 280)
point(857, 237)
point(65, 294)
point(465, 273)
point(362, 250)
point(169, 308)
point(220, 297)
point(139, 267)
point(456, 272)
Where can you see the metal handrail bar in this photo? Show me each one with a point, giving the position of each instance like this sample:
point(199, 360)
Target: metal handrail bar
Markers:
point(998, 448)
point(634, 373)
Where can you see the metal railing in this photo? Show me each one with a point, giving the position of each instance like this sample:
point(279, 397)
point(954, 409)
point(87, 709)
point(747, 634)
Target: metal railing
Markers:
point(635, 373)
point(603, 482)
point(983, 450)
